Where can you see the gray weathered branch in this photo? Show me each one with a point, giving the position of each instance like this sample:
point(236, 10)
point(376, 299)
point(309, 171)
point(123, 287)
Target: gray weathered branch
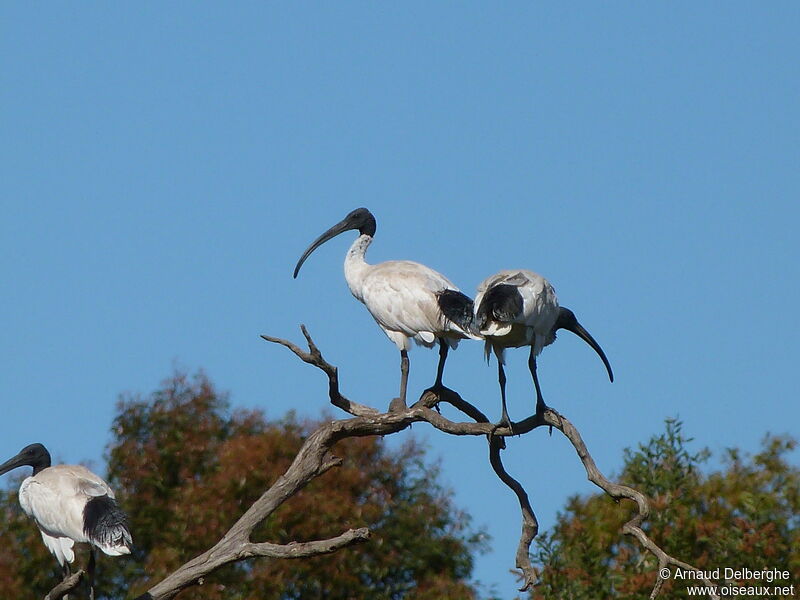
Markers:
point(634, 526)
point(530, 526)
point(69, 583)
point(314, 458)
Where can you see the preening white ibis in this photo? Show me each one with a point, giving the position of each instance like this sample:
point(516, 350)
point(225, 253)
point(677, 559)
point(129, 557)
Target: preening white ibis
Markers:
point(70, 504)
point(408, 300)
point(520, 308)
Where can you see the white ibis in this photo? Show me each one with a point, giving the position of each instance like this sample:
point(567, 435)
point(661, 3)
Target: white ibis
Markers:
point(70, 504)
point(408, 300)
point(520, 308)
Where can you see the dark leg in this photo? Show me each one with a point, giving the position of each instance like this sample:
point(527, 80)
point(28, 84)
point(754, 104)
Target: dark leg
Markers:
point(66, 572)
point(501, 377)
point(403, 375)
point(437, 386)
point(442, 357)
point(540, 405)
point(90, 572)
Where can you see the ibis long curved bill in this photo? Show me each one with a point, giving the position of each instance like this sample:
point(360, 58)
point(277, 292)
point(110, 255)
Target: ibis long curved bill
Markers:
point(567, 320)
point(360, 219)
point(19, 460)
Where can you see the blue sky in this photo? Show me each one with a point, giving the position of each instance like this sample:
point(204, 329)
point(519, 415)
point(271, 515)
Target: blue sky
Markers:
point(162, 167)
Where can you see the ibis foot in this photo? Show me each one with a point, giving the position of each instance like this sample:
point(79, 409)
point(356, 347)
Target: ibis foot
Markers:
point(541, 409)
point(505, 421)
point(436, 389)
point(397, 405)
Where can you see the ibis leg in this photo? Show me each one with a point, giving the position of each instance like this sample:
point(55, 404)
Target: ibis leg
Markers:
point(403, 375)
point(90, 572)
point(66, 571)
point(442, 357)
point(540, 405)
point(501, 377)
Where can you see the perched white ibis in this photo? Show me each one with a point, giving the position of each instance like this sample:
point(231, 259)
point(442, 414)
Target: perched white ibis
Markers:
point(408, 300)
point(70, 504)
point(520, 308)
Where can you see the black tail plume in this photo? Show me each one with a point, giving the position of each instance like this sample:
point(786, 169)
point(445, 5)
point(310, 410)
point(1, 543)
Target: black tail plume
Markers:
point(105, 523)
point(501, 303)
point(458, 308)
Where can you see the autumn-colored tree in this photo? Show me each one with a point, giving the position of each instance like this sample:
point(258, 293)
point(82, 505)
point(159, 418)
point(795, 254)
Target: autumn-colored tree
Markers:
point(25, 563)
point(747, 515)
point(185, 467)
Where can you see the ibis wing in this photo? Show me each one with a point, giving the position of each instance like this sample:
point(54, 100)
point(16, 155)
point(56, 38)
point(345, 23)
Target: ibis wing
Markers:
point(402, 297)
point(94, 488)
point(517, 277)
point(82, 482)
point(56, 510)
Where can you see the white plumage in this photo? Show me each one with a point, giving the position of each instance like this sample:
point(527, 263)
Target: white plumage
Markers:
point(515, 308)
point(70, 504)
point(407, 300)
point(56, 498)
point(402, 298)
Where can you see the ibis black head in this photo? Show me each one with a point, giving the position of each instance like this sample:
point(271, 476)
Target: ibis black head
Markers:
point(360, 219)
point(567, 320)
point(35, 456)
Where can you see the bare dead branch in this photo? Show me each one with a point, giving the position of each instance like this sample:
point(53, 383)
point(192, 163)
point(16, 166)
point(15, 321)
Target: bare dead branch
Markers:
point(315, 458)
point(314, 357)
point(69, 583)
point(618, 492)
point(530, 526)
point(306, 549)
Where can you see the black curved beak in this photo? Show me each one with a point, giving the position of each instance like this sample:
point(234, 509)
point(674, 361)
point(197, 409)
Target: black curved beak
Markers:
point(344, 225)
point(12, 463)
point(567, 320)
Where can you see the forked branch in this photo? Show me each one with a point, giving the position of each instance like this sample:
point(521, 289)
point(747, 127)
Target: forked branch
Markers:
point(315, 458)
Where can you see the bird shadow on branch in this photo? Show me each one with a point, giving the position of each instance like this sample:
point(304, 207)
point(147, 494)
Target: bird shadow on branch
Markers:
point(315, 458)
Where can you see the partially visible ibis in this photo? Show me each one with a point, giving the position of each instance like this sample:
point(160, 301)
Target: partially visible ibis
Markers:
point(408, 300)
point(520, 308)
point(70, 504)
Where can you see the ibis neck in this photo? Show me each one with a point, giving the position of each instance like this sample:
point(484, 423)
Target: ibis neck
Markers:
point(355, 267)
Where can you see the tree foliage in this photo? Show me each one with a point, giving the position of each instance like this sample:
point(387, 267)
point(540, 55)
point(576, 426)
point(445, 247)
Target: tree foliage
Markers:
point(25, 563)
point(185, 467)
point(747, 515)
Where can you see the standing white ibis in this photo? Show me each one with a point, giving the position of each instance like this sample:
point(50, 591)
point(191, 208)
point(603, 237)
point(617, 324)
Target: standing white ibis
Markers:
point(408, 300)
point(520, 308)
point(70, 504)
